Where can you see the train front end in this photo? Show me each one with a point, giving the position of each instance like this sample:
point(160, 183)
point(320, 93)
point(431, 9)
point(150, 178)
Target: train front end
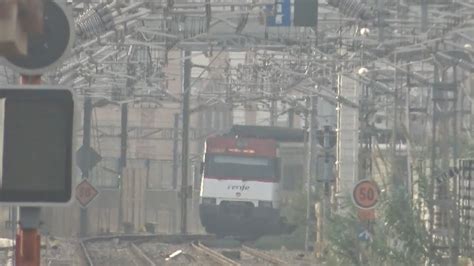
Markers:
point(239, 186)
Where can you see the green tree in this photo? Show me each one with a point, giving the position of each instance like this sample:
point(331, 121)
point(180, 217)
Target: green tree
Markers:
point(399, 234)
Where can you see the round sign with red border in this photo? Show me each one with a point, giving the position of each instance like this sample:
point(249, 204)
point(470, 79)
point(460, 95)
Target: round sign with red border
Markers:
point(366, 194)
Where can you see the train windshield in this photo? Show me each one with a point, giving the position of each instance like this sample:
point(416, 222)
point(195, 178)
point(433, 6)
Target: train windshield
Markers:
point(248, 168)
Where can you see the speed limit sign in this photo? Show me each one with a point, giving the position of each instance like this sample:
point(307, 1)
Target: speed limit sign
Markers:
point(366, 194)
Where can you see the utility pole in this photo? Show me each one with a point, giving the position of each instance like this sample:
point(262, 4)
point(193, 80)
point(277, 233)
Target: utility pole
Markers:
point(124, 139)
point(408, 111)
point(185, 140)
point(424, 15)
point(433, 172)
point(86, 143)
point(380, 19)
point(291, 118)
point(365, 147)
point(175, 150)
point(314, 171)
point(228, 97)
point(307, 169)
point(123, 158)
point(273, 107)
point(455, 217)
point(394, 166)
point(327, 170)
point(310, 126)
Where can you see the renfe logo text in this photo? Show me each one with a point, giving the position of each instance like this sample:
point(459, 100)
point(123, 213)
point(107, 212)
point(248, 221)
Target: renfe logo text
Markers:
point(241, 188)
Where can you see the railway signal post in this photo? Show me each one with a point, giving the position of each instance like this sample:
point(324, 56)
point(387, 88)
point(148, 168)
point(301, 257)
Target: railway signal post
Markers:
point(36, 156)
point(184, 193)
point(37, 121)
point(28, 241)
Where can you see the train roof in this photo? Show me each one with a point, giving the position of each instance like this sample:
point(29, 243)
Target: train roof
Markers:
point(281, 134)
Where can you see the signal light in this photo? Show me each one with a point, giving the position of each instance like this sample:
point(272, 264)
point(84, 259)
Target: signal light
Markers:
point(30, 14)
point(13, 39)
point(18, 18)
point(49, 49)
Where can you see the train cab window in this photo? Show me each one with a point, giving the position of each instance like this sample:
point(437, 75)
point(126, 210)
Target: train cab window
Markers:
point(250, 168)
point(292, 177)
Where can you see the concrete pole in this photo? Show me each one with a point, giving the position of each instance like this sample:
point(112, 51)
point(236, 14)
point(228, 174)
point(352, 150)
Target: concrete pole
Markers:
point(86, 143)
point(175, 151)
point(380, 18)
point(311, 126)
point(424, 15)
point(434, 122)
point(307, 171)
point(185, 140)
point(327, 170)
point(394, 166)
point(456, 223)
point(228, 99)
point(408, 129)
point(291, 118)
point(123, 158)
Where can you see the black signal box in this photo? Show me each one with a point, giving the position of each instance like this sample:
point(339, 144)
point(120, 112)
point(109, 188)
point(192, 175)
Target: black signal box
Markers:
point(36, 143)
point(305, 13)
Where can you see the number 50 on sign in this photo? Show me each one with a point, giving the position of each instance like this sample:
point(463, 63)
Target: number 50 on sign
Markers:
point(366, 194)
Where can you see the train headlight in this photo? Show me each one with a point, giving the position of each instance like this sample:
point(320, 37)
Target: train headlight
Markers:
point(209, 201)
point(265, 204)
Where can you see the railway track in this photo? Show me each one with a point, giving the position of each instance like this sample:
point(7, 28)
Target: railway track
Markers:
point(222, 259)
point(214, 255)
point(120, 250)
point(142, 257)
point(172, 250)
point(127, 254)
point(261, 255)
point(85, 254)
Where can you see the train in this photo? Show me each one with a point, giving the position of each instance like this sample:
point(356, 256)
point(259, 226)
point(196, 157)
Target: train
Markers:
point(247, 176)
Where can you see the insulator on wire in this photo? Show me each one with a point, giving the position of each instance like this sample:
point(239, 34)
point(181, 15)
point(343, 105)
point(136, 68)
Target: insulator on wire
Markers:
point(353, 8)
point(94, 21)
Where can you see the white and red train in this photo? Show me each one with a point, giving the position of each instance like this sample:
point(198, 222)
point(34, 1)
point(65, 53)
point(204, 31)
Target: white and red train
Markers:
point(241, 189)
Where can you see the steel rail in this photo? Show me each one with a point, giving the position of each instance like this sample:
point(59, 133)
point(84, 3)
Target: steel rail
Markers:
point(216, 256)
point(86, 254)
point(264, 256)
point(138, 252)
point(134, 238)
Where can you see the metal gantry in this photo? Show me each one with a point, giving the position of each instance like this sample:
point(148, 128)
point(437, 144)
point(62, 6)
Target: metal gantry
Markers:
point(377, 66)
